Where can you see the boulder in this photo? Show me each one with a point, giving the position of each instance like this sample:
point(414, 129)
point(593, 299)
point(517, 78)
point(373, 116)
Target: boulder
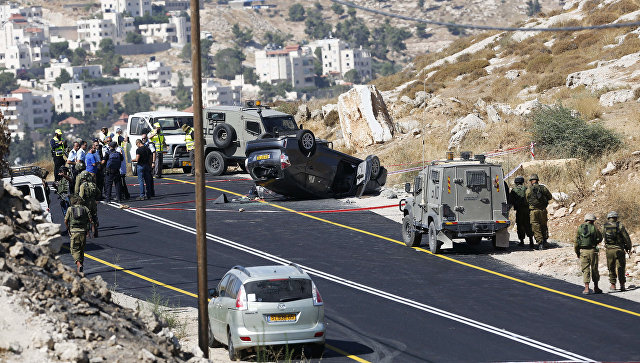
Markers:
point(330, 114)
point(526, 107)
point(492, 114)
point(463, 126)
point(611, 98)
point(48, 229)
point(70, 352)
point(420, 99)
point(406, 125)
point(561, 212)
point(610, 168)
point(512, 74)
point(560, 196)
point(611, 74)
point(6, 232)
point(364, 118)
point(406, 100)
point(303, 113)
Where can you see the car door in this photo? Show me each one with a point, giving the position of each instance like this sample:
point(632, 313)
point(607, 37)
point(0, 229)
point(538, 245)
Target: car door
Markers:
point(216, 307)
point(228, 303)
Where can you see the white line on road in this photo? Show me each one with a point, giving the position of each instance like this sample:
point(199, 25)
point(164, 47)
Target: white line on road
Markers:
point(373, 291)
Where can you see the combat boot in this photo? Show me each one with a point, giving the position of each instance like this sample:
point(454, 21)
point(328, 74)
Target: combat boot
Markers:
point(596, 289)
point(531, 242)
point(521, 243)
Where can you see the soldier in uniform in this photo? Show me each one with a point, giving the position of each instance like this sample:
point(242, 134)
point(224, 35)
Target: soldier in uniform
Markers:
point(617, 241)
point(586, 246)
point(63, 188)
point(517, 198)
point(538, 197)
point(89, 192)
point(78, 221)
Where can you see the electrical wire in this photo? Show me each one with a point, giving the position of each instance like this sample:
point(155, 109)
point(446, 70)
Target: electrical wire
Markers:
point(486, 27)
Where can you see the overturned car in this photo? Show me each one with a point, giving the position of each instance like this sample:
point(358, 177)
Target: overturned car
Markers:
point(296, 164)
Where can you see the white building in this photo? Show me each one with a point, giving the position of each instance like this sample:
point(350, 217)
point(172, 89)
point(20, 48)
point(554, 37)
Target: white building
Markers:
point(24, 109)
point(292, 64)
point(215, 94)
point(80, 97)
point(114, 26)
point(53, 72)
point(153, 74)
point(177, 31)
point(339, 57)
point(29, 12)
point(21, 45)
point(132, 7)
point(176, 5)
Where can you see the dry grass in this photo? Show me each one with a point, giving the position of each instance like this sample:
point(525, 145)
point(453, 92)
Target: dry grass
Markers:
point(539, 63)
point(550, 81)
point(581, 100)
point(450, 71)
point(625, 201)
point(601, 17)
point(562, 46)
point(392, 81)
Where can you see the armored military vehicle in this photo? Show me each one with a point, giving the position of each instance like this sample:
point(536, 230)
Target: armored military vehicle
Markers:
point(227, 129)
point(456, 199)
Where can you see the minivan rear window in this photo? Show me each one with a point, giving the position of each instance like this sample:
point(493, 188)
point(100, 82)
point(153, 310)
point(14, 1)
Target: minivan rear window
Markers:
point(39, 194)
point(280, 290)
point(24, 189)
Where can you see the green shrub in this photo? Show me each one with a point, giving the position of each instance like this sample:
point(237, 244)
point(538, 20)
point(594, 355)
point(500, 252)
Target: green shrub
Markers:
point(560, 133)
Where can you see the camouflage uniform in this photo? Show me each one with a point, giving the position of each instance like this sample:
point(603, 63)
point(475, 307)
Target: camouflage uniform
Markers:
point(63, 191)
point(78, 219)
point(538, 197)
point(617, 241)
point(80, 178)
point(586, 246)
point(518, 199)
point(89, 192)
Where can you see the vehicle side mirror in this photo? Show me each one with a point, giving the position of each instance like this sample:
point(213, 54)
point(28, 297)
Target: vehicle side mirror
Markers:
point(407, 187)
point(300, 126)
point(213, 292)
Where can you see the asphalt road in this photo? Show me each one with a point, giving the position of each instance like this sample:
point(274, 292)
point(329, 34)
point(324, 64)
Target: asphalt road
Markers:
point(384, 301)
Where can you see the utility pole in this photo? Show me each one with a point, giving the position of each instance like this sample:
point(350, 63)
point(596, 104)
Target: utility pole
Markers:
point(201, 220)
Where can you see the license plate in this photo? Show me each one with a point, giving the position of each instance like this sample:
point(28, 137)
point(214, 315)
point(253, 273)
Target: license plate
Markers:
point(263, 157)
point(282, 317)
point(186, 163)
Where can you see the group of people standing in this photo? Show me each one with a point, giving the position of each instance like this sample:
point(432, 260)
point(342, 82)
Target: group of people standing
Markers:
point(530, 204)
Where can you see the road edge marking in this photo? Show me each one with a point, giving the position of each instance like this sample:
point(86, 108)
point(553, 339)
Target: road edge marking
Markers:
point(495, 273)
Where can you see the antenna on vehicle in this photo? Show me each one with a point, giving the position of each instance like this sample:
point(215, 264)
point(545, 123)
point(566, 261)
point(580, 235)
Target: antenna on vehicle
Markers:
point(423, 128)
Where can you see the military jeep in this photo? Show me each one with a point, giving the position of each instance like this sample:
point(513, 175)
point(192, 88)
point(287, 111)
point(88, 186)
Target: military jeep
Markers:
point(456, 199)
point(227, 129)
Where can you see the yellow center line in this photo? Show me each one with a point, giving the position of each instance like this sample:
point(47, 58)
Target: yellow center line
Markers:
point(340, 351)
point(630, 312)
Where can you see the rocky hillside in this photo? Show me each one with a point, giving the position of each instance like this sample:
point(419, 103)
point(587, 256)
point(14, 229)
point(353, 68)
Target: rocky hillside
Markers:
point(48, 313)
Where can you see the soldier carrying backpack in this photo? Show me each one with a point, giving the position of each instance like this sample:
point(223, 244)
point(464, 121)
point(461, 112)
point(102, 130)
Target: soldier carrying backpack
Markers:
point(586, 247)
point(617, 241)
point(89, 193)
point(78, 221)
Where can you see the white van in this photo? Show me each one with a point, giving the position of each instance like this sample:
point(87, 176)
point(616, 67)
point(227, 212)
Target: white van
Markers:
point(27, 180)
point(175, 152)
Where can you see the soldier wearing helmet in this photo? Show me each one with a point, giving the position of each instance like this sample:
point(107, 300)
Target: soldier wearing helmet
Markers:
point(58, 146)
point(586, 246)
point(538, 197)
point(617, 241)
point(517, 198)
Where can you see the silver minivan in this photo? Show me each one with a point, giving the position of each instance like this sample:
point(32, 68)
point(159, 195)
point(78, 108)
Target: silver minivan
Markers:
point(266, 306)
point(27, 179)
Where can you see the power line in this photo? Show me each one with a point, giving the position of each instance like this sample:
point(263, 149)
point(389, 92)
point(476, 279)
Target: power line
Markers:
point(485, 27)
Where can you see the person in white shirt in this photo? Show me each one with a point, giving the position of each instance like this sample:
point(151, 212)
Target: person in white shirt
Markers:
point(71, 163)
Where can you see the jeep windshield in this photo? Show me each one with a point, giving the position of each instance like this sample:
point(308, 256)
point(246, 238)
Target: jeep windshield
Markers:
point(280, 290)
point(279, 123)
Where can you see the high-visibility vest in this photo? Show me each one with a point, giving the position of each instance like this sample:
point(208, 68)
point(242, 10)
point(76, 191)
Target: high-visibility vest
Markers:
point(158, 139)
point(59, 149)
point(188, 139)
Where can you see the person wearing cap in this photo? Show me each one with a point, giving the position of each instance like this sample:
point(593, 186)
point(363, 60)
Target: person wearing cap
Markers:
point(586, 246)
point(190, 144)
point(518, 198)
point(538, 197)
point(104, 134)
point(157, 137)
point(112, 172)
point(58, 145)
point(617, 241)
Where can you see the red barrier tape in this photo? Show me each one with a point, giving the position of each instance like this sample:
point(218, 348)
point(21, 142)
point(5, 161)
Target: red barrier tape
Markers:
point(208, 181)
point(316, 211)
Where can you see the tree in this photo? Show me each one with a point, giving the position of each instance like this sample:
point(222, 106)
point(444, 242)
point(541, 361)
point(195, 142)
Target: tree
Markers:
point(134, 38)
point(421, 30)
point(337, 8)
point(22, 148)
point(59, 49)
point(296, 12)
point(63, 78)
point(352, 76)
point(354, 31)
point(317, 61)
point(242, 36)
point(269, 91)
point(276, 38)
point(79, 57)
point(182, 93)
point(386, 37)
point(150, 19)
point(421, 4)
point(351, 12)
point(250, 76)
point(533, 7)
point(7, 83)
point(228, 63)
point(205, 46)
point(315, 26)
point(102, 111)
point(135, 101)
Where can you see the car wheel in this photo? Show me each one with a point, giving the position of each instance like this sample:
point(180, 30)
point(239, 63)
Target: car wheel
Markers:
point(223, 135)
point(375, 166)
point(233, 353)
point(411, 237)
point(186, 169)
point(433, 240)
point(306, 142)
point(215, 163)
point(134, 170)
point(213, 343)
point(473, 241)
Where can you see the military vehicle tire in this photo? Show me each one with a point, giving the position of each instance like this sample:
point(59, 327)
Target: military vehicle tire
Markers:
point(186, 169)
point(215, 163)
point(411, 237)
point(375, 166)
point(223, 135)
point(306, 142)
point(433, 239)
point(134, 170)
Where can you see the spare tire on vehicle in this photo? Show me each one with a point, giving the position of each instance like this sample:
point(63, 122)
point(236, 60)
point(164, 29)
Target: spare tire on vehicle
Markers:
point(223, 135)
point(306, 142)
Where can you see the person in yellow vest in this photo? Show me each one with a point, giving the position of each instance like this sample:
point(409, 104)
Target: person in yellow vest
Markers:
point(58, 145)
point(190, 144)
point(157, 138)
